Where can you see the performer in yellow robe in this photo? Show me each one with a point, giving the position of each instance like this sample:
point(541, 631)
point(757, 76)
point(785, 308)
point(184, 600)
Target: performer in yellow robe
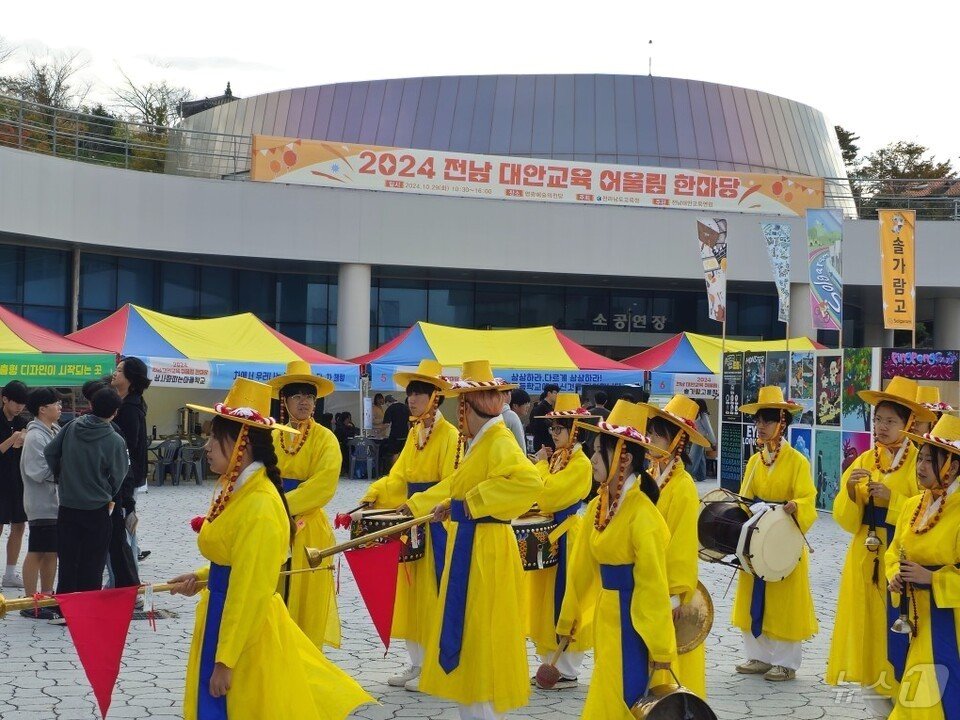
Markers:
point(924, 556)
point(873, 491)
point(672, 429)
point(427, 458)
point(476, 654)
point(310, 466)
point(248, 659)
point(619, 570)
point(567, 480)
point(776, 617)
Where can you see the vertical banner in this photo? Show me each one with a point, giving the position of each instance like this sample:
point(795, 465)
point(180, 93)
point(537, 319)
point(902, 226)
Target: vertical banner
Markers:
point(897, 268)
point(777, 236)
point(824, 236)
point(712, 235)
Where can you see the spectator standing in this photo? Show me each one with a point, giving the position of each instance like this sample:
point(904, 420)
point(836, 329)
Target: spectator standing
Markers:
point(521, 404)
point(379, 407)
point(12, 425)
point(600, 405)
point(344, 429)
point(90, 461)
point(40, 498)
point(539, 427)
point(698, 459)
point(397, 416)
point(512, 420)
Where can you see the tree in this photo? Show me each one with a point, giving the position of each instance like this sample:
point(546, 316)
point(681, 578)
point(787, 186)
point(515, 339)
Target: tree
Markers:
point(899, 175)
point(905, 160)
point(50, 79)
point(6, 50)
point(152, 104)
point(848, 147)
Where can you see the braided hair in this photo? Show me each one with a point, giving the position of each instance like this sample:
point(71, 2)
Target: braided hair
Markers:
point(638, 453)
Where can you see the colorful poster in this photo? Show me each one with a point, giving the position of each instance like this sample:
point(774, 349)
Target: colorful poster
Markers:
point(920, 364)
point(801, 438)
point(732, 387)
point(712, 237)
point(777, 236)
point(826, 466)
point(855, 444)
point(827, 392)
point(824, 236)
point(754, 375)
point(801, 385)
point(897, 265)
point(37, 369)
point(430, 172)
point(857, 376)
point(731, 455)
point(778, 371)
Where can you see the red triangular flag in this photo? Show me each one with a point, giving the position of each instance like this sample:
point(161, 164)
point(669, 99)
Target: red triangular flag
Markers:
point(375, 570)
point(98, 622)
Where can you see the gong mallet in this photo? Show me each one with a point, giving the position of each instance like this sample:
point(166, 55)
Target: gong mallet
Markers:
point(547, 674)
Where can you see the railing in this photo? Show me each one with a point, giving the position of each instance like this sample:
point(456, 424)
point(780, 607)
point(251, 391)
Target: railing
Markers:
point(180, 151)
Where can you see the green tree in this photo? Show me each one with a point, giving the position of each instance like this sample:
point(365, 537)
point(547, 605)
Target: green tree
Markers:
point(848, 147)
point(904, 174)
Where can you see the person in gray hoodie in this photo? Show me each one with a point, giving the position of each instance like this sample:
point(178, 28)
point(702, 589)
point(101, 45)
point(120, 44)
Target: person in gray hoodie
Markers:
point(40, 496)
point(90, 461)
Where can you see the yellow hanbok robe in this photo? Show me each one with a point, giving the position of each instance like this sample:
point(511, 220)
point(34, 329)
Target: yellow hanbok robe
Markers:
point(562, 491)
point(931, 653)
point(788, 608)
point(277, 671)
point(495, 480)
point(635, 541)
point(417, 582)
point(858, 649)
point(310, 480)
point(679, 504)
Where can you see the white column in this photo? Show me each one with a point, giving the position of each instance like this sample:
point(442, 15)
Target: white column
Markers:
point(353, 310)
point(801, 320)
point(946, 323)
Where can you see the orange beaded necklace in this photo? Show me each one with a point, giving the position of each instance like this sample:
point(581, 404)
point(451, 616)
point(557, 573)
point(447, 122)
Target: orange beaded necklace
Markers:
point(228, 480)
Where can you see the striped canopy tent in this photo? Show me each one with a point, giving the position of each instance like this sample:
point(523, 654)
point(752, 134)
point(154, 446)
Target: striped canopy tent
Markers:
point(700, 354)
point(529, 357)
point(37, 356)
point(209, 353)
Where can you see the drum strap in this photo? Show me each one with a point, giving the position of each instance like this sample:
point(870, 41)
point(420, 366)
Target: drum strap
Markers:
point(946, 654)
point(436, 530)
point(455, 604)
point(634, 657)
point(209, 707)
point(560, 582)
point(758, 598)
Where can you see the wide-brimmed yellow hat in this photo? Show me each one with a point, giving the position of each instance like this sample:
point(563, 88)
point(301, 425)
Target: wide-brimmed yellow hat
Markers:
point(682, 412)
point(900, 391)
point(567, 406)
point(627, 421)
point(770, 397)
point(929, 397)
point(428, 371)
point(248, 403)
point(945, 434)
point(299, 371)
point(476, 376)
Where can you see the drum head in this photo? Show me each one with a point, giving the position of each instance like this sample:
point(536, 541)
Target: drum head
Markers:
point(719, 495)
point(772, 544)
point(672, 703)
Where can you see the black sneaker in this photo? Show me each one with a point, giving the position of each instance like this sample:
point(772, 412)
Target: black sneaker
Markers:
point(144, 554)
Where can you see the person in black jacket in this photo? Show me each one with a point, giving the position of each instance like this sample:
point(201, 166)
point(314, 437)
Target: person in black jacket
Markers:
point(130, 379)
point(538, 427)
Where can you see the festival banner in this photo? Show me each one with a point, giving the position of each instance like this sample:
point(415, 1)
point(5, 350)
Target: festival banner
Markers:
point(216, 375)
point(824, 236)
point(178, 372)
point(689, 384)
point(921, 365)
point(712, 237)
point(777, 236)
point(336, 164)
point(36, 369)
point(897, 261)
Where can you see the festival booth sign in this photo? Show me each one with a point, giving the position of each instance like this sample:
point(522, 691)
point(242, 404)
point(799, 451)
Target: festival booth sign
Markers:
point(528, 357)
point(37, 356)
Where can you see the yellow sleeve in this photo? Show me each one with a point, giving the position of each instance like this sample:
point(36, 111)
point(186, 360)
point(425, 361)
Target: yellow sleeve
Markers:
point(256, 557)
point(203, 573)
point(566, 487)
point(650, 609)
point(583, 580)
point(511, 486)
point(318, 489)
point(748, 484)
point(422, 503)
point(391, 487)
point(804, 494)
point(849, 513)
point(946, 585)
point(681, 517)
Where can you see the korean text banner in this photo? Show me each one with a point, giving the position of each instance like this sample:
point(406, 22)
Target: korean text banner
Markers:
point(712, 237)
point(432, 172)
point(777, 236)
point(54, 369)
point(824, 236)
point(897, 268)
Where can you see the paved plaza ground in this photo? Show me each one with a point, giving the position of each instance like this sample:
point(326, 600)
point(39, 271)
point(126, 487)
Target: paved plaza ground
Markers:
point(41, 679)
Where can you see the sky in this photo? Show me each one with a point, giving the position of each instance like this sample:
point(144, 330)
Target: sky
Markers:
point(880, 69)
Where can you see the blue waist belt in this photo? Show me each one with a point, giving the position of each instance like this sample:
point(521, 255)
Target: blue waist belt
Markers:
point(560, 583)
point(455, 606)
point(634, 657)
point(438, 533)
point(209, 707)
point(290, 484)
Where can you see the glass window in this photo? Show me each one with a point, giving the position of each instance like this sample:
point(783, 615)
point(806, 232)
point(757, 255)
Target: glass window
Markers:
point(258, 294)
point(217, 291)
point(178, 289)
point(756, 315)
point(46, 276)
point(541, 306)
point(294, 331)
point(401, 302)
point(98, 282)
point(386, 334)
point(587, 309)
point(629, 309)
point(451, 304)
point(497, 306)
point(9, 274)
point(89, 317)
point(52, 318)
point(318, 300)
point(135, 282)
point(293, 298)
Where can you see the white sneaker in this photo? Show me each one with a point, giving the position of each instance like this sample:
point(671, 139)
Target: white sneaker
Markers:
point(409, 673)
point(14, 581)
point(412, 685)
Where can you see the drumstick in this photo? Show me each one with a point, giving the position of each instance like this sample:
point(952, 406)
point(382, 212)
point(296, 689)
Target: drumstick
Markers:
point(797, 523)
point(547, 673)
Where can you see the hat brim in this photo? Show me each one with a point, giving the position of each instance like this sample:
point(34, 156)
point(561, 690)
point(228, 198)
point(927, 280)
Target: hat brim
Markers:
point(566, 416)
point(653, 449)
point(875, 397)
point(324, 387)
point(451, 391)
point(921, 440)
point(402, 379)
point(243, 421)
point(753, 408)
point(695, 435)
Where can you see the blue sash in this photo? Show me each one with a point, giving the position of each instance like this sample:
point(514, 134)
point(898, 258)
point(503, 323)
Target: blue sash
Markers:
point(290, 484)
point(209, 707)
point(758, 598)
point(438, 533)
point(560, 583)
point(455, 604)
point(633, 651)
point(946, 654)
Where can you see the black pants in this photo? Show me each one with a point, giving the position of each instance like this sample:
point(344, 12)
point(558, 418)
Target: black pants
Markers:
point(121, 556)
point(83, 537)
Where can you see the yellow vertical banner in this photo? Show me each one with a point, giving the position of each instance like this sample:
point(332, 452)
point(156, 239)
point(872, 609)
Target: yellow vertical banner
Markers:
point(897, 266)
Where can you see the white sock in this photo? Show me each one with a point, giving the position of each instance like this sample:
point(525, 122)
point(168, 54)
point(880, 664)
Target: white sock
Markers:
point(11, 570)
